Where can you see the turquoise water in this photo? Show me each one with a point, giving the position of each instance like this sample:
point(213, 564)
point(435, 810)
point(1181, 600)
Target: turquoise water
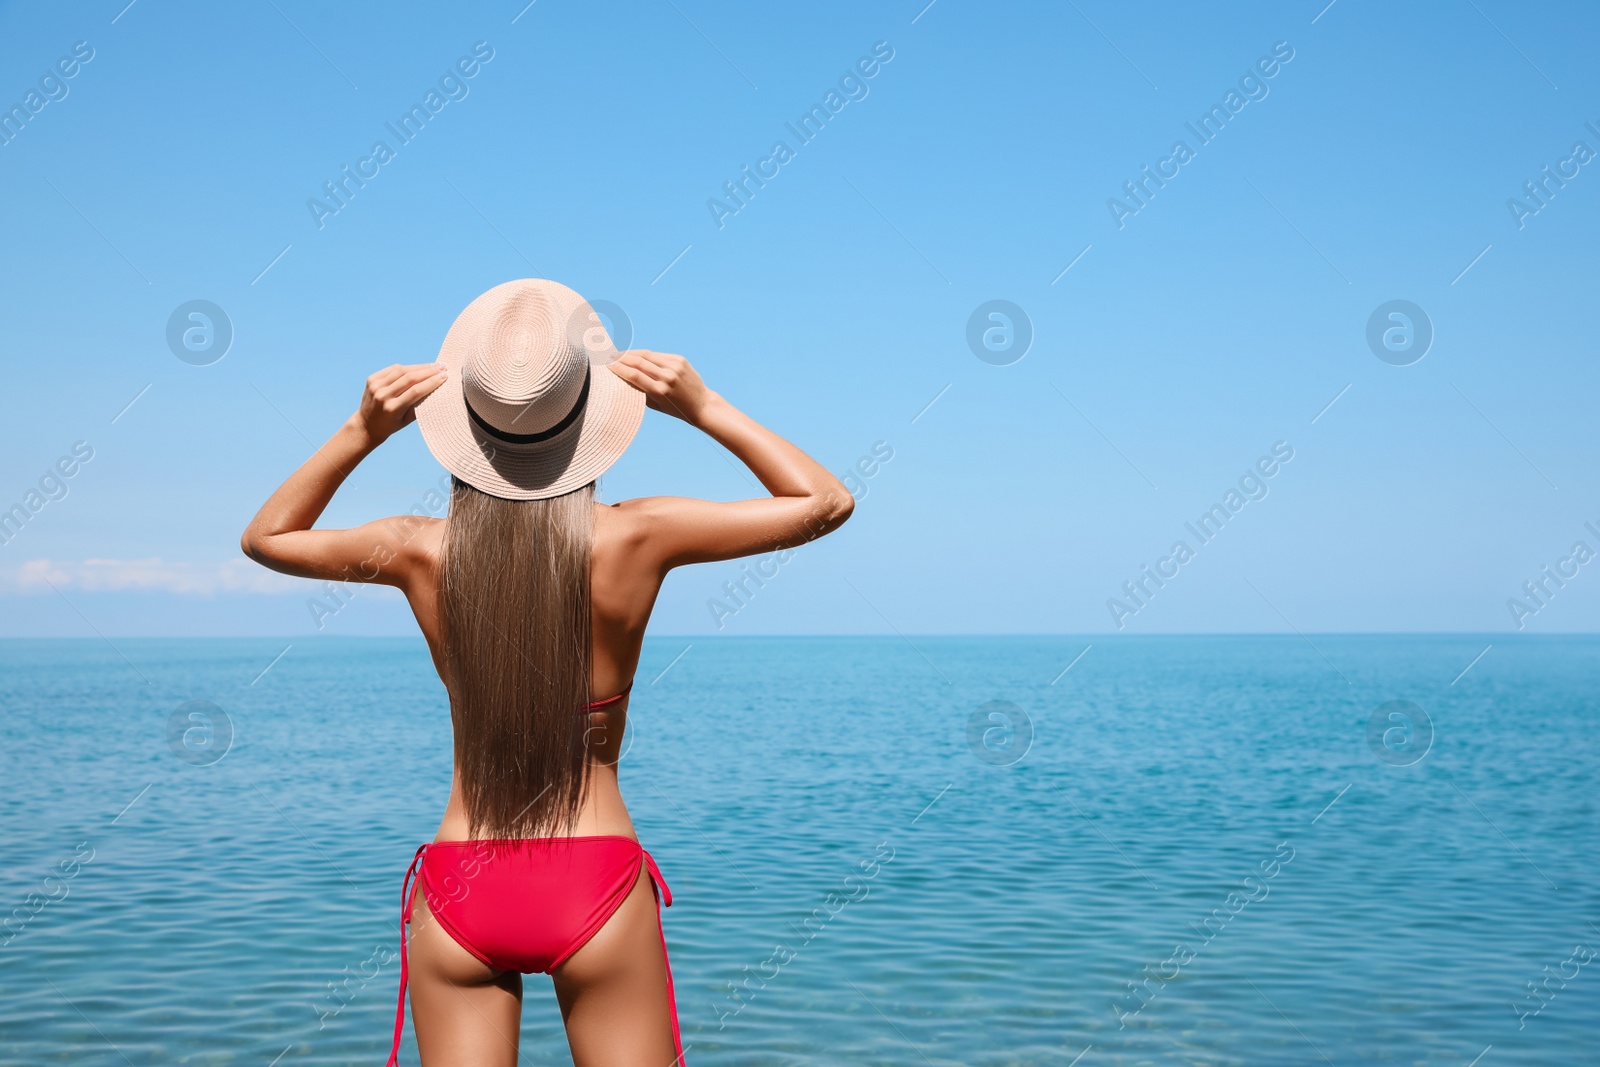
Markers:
point(1205, 816)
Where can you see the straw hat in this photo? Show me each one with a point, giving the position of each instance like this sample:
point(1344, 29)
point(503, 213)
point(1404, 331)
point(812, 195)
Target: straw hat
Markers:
point(531, 409)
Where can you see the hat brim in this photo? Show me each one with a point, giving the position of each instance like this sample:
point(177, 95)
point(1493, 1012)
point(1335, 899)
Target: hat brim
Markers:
point(568, 461)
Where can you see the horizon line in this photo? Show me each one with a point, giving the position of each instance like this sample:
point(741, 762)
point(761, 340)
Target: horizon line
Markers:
point(702, 636)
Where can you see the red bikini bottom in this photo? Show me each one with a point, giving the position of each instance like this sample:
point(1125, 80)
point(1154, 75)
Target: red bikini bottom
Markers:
point(527, 905)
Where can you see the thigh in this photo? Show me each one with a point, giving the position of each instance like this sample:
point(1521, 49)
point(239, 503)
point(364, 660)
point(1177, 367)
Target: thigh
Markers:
point(463, 1013)
point(613, 991)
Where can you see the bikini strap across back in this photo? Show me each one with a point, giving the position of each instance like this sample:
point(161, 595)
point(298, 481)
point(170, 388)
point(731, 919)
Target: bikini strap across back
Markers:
point(600, 706)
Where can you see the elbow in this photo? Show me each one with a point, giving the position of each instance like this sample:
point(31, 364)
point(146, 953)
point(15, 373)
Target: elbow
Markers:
point(833, 508)
point(252, 544)
point(826, 511)
point(844, 505)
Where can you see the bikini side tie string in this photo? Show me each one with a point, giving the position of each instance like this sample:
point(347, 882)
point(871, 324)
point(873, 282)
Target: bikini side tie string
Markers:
point(405, 974)
point(658, 886)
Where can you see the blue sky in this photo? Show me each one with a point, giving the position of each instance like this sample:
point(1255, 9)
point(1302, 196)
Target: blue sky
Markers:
point(975, 164)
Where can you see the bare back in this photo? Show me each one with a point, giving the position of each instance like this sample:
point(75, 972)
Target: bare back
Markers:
point(623, 587)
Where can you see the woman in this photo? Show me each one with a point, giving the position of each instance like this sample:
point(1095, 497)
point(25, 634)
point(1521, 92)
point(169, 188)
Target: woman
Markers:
point(534, 602)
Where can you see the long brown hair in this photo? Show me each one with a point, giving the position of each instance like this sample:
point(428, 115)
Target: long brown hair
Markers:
point(514, 598)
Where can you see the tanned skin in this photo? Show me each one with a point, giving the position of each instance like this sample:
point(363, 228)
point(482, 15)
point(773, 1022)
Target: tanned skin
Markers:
point(613, 991)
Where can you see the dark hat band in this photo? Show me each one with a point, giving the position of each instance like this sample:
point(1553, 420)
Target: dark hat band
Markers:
point(543, 435)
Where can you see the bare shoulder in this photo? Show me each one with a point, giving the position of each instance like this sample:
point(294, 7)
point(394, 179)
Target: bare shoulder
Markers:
point(412, 545)
point(626, 521)
point(642, 517)
point(648, 509)
point(644, 528)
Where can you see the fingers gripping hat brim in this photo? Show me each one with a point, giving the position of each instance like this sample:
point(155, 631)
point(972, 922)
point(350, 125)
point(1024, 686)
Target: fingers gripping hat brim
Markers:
point(566, 461)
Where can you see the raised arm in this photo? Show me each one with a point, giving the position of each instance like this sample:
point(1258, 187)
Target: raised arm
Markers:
point(281, 537)
point(806, 502)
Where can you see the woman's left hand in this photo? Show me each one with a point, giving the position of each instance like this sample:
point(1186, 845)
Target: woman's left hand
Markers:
point(392, 395)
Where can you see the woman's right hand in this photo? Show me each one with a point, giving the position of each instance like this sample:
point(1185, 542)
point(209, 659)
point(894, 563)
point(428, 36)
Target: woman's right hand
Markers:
point(391, 397)
point(668, 382)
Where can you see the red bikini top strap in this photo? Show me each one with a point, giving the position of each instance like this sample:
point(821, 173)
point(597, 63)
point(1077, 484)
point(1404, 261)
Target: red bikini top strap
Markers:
point(598, 705)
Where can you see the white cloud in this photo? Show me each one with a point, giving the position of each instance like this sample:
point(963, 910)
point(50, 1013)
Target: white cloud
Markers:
point(153, 575)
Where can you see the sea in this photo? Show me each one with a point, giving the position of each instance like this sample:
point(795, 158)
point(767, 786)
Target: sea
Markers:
point(1078, 852)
